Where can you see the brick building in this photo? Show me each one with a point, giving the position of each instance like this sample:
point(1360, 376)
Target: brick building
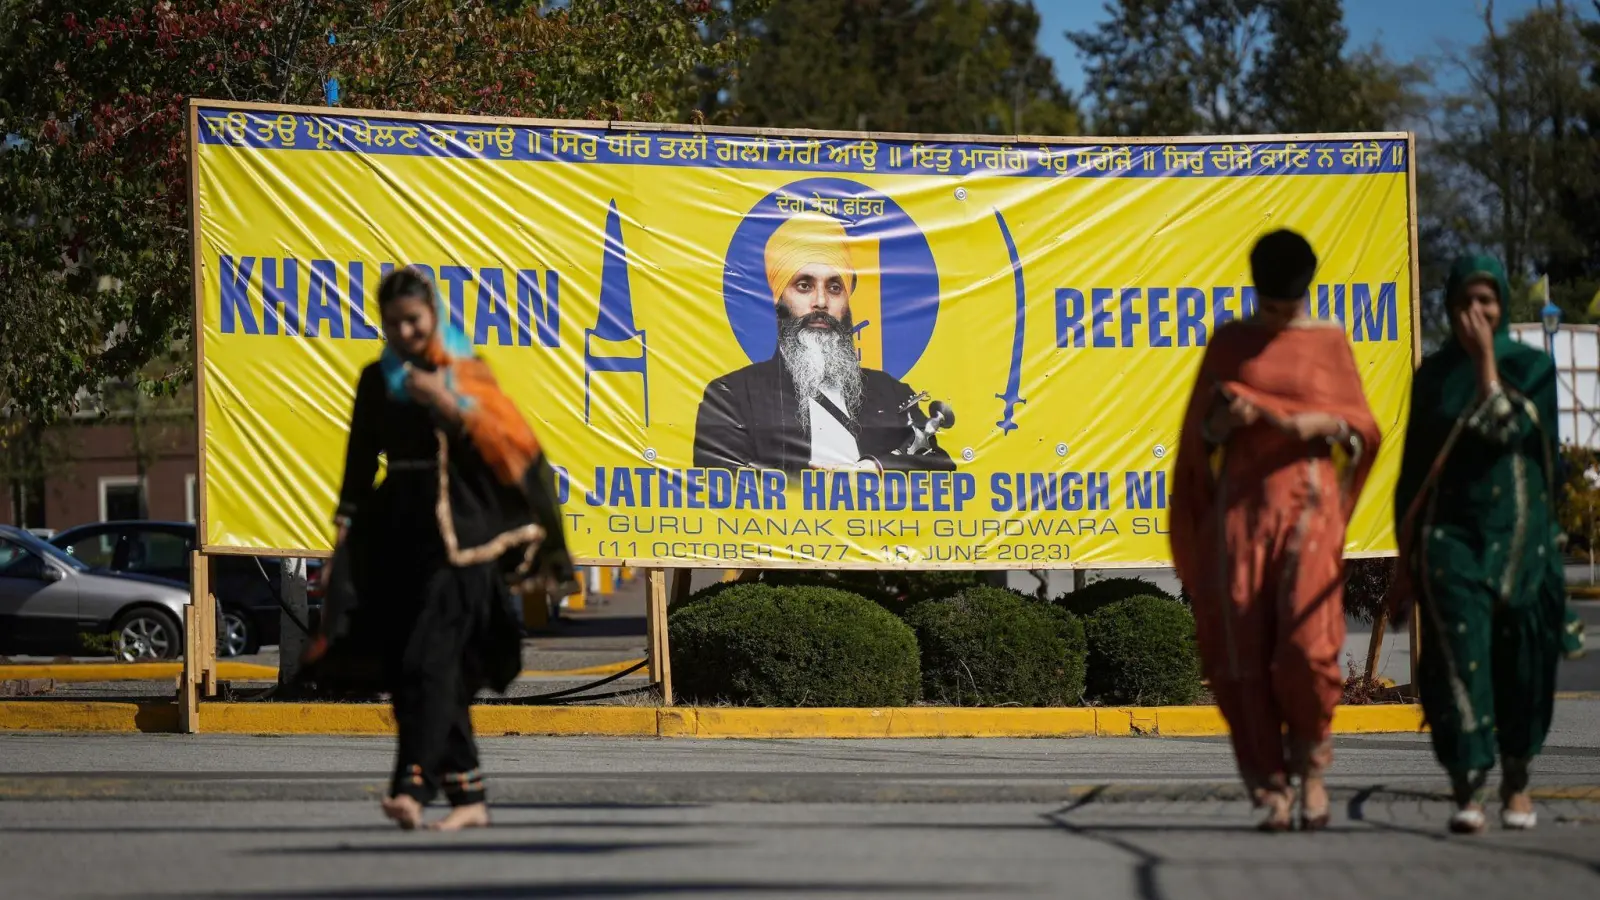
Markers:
point(93, 469)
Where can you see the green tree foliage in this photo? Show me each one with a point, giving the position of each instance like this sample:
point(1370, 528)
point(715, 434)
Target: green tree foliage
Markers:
point(1580, 500)
point(1519, 149)
point(902, 65)
point(1176, 67)
point(94, 198)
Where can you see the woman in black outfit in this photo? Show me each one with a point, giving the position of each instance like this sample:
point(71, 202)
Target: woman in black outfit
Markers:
point(419, 600)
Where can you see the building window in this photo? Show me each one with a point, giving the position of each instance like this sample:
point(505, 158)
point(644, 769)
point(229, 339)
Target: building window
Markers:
point(121, 498)
point(27, 503)
point(189, 504)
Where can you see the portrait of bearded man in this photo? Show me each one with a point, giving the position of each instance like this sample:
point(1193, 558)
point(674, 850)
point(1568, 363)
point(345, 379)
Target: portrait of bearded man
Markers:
point(812, 405)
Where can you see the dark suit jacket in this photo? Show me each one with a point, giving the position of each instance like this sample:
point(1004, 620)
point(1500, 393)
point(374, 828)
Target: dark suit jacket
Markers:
point(750, 418)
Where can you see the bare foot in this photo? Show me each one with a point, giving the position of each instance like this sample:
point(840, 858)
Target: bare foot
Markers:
point(472, 815)
point(1280, 810)
point(1313, 803)
point(403, 810)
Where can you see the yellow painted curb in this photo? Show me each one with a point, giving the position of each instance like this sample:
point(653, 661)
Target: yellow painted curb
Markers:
point(155, 671)
point(606, 669)
point(913, 722)
point(679, 722)
point(56, 715)
point(1377, 719)
point(1574, 792)
point(227, 671)
point(1184, 721)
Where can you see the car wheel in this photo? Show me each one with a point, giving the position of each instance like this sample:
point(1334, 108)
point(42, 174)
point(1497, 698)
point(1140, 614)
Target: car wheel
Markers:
point(146, 634)
point(238, 635)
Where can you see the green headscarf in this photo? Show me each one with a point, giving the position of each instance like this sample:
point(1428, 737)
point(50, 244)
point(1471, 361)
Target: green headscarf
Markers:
point(1482, 267)
point(1521, 366)
point(1446, 385)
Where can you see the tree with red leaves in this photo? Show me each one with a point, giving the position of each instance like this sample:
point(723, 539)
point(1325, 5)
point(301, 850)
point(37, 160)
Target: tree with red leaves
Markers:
point(94, 230)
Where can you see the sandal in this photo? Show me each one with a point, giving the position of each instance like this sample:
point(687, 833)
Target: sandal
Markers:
point(1519, 821)
point(1469, 821)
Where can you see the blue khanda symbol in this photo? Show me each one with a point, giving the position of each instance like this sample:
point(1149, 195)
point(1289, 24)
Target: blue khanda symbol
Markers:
point(615, 319)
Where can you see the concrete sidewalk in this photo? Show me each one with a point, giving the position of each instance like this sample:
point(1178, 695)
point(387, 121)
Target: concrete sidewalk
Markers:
point(217, 816)
point(610, 770)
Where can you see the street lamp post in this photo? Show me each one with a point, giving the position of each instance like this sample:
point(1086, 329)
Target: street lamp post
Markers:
point(1550, 317)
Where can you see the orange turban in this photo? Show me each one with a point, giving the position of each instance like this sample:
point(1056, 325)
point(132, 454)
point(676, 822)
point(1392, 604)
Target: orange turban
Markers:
point(803, 240)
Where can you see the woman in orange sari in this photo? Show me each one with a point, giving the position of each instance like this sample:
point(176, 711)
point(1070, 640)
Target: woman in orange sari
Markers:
point(1276, 446)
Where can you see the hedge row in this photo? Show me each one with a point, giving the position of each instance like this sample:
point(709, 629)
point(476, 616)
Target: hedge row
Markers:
point(891, 639)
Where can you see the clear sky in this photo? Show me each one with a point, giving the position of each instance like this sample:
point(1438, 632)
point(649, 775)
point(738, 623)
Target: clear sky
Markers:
point(1405, 28)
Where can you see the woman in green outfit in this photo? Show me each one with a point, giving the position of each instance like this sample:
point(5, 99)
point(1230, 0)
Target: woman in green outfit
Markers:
point(1480, 546)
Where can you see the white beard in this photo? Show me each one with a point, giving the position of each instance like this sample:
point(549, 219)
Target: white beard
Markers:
point(818, 361)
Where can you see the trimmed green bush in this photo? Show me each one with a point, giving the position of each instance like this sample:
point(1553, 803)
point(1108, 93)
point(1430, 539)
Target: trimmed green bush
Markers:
point(1142, 653)
point(988, 646)
point(764, 645)
point(937, 584)
point(869, 583)
point(895, 589)
point(1097, 594)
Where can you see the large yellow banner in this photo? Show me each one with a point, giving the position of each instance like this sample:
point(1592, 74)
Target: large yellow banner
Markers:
point(759, 349)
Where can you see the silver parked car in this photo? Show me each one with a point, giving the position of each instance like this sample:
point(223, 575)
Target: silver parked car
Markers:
point(48, 599)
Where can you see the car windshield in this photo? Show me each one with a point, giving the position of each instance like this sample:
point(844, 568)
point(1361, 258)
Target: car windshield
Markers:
point(47, 550)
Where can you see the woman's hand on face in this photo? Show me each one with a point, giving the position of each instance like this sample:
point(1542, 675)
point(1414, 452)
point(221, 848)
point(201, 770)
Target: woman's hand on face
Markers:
point(424, 386)
point(1472, 329)
point(1477, 338)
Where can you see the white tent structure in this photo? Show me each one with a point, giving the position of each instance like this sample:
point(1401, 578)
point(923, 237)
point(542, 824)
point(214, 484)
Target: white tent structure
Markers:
point(1577, 355)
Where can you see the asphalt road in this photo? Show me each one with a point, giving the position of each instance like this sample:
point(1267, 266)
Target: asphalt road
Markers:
point(136, 816)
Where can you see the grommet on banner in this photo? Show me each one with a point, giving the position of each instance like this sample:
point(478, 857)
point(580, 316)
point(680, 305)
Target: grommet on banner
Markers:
point(1160, 451)
point(1061, 449)
point(649, 454)
point(967, 454)
point(961, 193)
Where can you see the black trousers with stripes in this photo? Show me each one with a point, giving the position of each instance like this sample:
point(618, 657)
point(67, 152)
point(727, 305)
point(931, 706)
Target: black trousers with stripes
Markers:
point(433, 691)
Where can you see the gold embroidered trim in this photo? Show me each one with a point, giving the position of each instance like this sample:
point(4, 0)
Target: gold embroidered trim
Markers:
point(531, 535)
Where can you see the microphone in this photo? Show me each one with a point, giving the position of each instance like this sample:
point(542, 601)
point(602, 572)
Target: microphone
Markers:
point(940, 417)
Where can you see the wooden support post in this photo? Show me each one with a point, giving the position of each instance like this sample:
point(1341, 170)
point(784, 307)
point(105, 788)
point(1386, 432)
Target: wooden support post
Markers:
point(189, 677)
point(1375, 645)
point(656, 627)
point(681, 586)
point(205, 608)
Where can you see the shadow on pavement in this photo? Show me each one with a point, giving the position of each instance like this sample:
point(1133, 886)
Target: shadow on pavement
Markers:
point(535, 891)
point(533, 848)
point(1357, 813)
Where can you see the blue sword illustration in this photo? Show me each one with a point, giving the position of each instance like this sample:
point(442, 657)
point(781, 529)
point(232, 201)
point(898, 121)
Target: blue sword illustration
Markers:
point(1008, 420)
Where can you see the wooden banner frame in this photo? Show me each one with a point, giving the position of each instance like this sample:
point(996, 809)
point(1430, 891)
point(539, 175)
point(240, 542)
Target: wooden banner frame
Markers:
point(200, 663)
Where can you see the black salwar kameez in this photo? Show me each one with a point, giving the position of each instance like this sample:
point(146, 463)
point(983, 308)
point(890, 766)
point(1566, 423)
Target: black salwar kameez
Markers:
point(431, 615)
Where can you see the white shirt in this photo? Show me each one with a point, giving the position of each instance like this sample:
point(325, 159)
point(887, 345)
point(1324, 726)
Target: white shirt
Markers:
point(832, 444)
